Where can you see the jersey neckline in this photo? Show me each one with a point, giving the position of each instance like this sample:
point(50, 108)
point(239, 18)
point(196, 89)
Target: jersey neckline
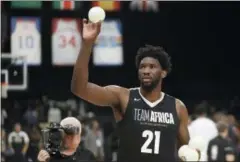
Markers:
point(149, 103)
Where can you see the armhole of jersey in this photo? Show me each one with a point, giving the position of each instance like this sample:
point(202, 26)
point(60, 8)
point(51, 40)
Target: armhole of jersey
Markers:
point(128, 104)
point(175, 107)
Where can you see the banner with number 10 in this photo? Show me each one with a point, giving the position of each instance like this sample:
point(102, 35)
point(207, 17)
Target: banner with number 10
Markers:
point(26, 38)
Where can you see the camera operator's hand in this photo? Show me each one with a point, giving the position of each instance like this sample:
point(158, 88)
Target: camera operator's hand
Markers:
point(43, 156)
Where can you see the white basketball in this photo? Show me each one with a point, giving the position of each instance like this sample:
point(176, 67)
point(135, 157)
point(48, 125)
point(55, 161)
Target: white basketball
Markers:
point(181, 150)
point(187, 154)
point(191, 155)
point(197, 143)
point(96, 14)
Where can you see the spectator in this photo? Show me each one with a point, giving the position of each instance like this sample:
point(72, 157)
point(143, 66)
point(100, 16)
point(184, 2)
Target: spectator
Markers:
point(94, 140)
point(234, 133)
point(54, 114)
point(3, 117)
point(41, 111)
point(234, 107)
point(202, 122)
point(83, 133)
point(18, 112)
point(3, 144)
point(45, 103)
point(31, 115)
point(18, 141)
point(221, 148)
point(34, 145)
point(112, 147)
point(219, 116)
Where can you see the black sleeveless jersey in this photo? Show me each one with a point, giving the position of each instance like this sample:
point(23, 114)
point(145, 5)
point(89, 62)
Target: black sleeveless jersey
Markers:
point(148, 133)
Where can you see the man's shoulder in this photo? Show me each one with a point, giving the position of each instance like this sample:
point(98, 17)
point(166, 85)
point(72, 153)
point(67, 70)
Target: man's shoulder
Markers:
point(214, 140)
point(133, 88)
point(23, 133)
point(85, 154)
point(209, 121)
point(82, 149)
point(209, 124)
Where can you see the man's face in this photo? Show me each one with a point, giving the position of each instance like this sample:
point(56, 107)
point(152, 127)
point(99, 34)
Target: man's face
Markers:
point(95, 124)
point(17, 128)
point(72, 141)
point(150, 73)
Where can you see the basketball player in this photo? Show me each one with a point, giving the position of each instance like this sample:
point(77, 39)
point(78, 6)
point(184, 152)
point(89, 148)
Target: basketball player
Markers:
point(151, 123)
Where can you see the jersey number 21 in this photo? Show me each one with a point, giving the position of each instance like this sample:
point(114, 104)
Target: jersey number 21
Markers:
point(151, 137)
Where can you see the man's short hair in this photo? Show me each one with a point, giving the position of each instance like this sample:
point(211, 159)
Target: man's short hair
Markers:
point(71, 122)
point(201, 109)
point(222, 126)
point(155, 52)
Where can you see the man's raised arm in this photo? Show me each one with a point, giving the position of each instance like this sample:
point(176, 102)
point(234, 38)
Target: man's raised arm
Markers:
point(102, 96)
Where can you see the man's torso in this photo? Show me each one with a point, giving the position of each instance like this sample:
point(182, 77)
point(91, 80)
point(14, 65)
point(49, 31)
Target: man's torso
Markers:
point(219, 147)
point(148, 131)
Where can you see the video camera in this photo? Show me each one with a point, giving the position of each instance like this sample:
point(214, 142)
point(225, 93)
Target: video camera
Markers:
point(53, 137)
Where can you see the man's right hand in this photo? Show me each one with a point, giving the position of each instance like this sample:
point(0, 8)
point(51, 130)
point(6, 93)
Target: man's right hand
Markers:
point(90, 31)
point(43, 156)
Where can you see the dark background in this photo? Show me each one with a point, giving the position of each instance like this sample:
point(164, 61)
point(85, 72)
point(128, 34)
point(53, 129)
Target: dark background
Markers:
point(201, 37)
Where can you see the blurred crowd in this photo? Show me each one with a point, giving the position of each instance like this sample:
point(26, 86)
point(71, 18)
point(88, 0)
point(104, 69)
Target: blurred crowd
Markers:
point(219, 127)
point(22, 122)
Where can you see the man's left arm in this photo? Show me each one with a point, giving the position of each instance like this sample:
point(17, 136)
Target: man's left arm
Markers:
point(183, 134)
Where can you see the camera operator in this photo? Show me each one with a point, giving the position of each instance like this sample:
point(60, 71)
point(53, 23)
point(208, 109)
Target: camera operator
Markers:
point(70, 149)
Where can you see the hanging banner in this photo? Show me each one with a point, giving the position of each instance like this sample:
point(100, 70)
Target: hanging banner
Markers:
point(108, 49)
point(67, 5)
point(4, 27)
point(66, 41)
point(26, 4)
point(107, 5)
point(26, 38)
point(144, 6)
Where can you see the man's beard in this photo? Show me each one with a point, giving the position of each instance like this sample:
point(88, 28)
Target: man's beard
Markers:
point(151, 86)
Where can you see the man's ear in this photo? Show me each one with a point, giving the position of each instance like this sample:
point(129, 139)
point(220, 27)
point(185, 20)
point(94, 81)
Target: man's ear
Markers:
point(164, 74)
